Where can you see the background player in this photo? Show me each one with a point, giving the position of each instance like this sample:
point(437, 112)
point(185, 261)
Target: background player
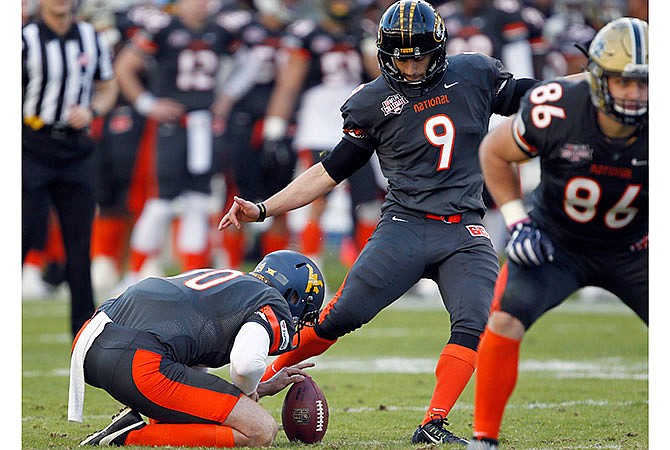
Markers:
point(324, 63)
point(589, 219)
point(125, 141)
point(425, 118)
point(147, 349)
point(186, 50)
point(249, 86)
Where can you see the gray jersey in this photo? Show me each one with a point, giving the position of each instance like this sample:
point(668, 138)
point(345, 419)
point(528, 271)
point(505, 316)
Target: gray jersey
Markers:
point(197, 314)
point(435, 171)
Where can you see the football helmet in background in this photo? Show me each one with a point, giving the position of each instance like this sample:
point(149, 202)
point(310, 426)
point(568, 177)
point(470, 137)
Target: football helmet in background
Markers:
point(411, 29)
point(620, 48)
point(298, 279)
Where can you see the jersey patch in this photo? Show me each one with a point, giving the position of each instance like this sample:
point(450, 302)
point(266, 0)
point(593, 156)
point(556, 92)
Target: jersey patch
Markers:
point(576, 152)
point(394, 104)
point(478, 230)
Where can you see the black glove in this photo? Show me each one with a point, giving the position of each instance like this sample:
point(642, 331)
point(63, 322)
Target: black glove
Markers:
point(275, 152)
point(528, 246)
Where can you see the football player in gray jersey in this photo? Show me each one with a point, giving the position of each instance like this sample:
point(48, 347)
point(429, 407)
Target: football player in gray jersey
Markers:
point(589, 216)
point(424, 117)
point(147, 348)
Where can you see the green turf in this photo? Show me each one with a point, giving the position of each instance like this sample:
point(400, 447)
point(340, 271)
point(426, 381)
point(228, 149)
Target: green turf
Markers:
point(583, 382)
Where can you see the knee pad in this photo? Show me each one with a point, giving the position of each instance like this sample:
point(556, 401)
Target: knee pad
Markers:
point(151, 227)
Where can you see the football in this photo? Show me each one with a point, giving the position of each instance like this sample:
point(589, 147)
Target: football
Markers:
point(304, 412)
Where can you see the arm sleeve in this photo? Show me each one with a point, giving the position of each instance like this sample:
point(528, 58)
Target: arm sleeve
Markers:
point(248, 356)
point(345, 159)
point(509, 93)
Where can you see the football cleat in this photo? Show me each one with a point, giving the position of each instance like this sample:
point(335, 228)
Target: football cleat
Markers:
point(434, 433)
point(483, 444)
point(116, 432)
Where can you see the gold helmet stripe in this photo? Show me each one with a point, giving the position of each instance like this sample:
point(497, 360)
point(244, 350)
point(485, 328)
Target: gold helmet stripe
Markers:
point(401, 22)
point(411, 21)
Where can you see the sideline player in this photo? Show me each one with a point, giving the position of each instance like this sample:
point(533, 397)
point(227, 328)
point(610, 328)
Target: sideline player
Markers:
point(186, 50)
point(324, 64)
point(424, 117)
point(125, 142)
point(249, 87)
point(148, 346)
point(589, 219)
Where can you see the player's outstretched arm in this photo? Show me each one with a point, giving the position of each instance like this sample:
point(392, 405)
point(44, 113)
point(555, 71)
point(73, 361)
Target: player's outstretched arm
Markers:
point(310, 185)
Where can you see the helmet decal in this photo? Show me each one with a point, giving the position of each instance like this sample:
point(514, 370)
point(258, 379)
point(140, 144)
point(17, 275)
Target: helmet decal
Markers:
point(314, 283)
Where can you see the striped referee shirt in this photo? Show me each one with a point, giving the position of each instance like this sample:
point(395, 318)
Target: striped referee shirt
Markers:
point(59, 72)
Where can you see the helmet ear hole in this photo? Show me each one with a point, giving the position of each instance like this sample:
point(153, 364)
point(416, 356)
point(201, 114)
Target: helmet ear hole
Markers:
point(293, 298)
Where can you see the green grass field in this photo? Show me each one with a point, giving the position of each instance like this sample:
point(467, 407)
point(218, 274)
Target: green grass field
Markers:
point(583, 381)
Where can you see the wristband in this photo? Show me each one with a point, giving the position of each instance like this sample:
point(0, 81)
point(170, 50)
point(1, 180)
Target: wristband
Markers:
point(274, 128)
point(263, 212)
point(144, 103)
point(514, 212)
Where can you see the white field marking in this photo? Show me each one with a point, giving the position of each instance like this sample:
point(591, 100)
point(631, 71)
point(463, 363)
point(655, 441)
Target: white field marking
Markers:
point(529, 406)
point(603, 368)
point(605, 305)
point(459, 406)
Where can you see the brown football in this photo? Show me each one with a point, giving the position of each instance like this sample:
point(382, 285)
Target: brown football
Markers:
point(304, 413)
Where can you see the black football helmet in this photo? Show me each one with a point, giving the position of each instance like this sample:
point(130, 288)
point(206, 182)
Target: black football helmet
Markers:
point(620, 48)
point(298, 279)
point(411, 29)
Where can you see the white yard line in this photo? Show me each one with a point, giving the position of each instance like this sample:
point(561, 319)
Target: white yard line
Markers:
point(603, 368)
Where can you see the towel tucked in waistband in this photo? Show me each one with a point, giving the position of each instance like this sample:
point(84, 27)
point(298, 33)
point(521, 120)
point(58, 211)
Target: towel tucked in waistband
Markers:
point(75, 405)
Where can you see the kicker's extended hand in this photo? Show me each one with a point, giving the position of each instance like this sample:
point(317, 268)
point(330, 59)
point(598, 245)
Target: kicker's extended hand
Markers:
point(240, 211)
point(528, 246)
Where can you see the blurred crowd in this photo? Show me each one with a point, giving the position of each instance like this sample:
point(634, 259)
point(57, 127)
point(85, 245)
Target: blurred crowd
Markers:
point(285, 68)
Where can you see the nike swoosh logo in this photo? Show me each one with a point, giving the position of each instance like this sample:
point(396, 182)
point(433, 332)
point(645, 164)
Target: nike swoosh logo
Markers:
point(638, 162)
point(398, 219)
point(447, 86)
